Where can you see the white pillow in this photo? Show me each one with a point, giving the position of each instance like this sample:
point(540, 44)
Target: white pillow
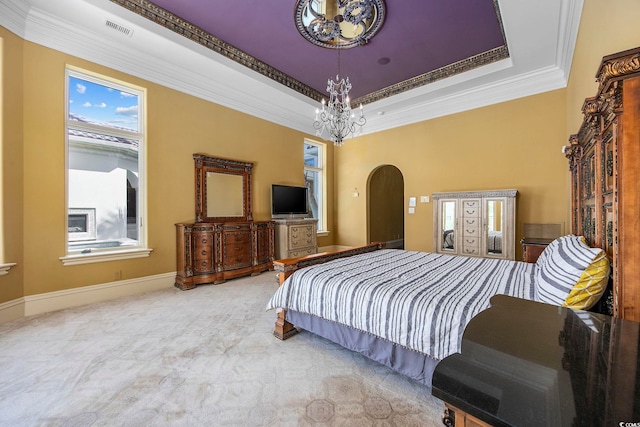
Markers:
point(571, 274)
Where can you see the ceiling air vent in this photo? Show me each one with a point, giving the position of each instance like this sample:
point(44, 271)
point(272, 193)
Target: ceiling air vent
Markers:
point(119, 28)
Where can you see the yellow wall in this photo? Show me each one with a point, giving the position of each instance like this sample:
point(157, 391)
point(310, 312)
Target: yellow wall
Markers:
point(510, 145)
point(12, 165)
point(606, 27)
point(178, 126)
point(522, 138)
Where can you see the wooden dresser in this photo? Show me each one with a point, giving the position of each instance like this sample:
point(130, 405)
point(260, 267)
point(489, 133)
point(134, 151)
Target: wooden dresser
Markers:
point(604, 159)
point(214, 252)
point(296, 237)
point(224, 242)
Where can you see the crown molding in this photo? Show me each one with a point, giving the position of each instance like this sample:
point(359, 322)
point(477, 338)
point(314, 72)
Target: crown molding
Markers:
point(158, 55)
point(191, 71)
point(571, 12)
point(13, 15)
point(533, 83)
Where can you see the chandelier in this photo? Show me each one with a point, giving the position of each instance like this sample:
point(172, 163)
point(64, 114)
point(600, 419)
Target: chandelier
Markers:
point(336, 118)
point(337, 24)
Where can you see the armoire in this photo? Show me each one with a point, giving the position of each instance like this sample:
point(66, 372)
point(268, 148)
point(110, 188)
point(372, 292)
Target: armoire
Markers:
point(475, 223)
point(604, 160)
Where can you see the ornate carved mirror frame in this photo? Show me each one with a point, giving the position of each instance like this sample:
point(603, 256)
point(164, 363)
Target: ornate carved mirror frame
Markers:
point(219, 196)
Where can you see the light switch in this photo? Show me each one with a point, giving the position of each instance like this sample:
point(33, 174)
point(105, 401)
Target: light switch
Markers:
point(412, 201)
point(424, 199)
point(412, 210)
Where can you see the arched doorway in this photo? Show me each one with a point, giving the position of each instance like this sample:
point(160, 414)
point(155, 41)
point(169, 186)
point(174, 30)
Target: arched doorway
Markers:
point(385, 206)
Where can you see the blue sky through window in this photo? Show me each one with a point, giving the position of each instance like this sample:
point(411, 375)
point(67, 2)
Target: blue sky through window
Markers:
point(106, 106)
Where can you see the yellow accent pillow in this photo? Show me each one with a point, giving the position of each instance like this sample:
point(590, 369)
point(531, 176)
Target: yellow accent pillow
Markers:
point(591, 284)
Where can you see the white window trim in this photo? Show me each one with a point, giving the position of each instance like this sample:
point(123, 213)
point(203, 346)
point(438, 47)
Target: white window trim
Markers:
point(104, 255)
point(322, 225)
point(4, 268)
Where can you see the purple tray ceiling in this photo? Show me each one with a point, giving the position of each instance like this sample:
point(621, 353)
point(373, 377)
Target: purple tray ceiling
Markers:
point(419, 42)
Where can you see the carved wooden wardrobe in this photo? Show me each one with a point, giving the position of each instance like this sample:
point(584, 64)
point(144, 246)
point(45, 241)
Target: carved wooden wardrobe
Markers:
point(604, 159)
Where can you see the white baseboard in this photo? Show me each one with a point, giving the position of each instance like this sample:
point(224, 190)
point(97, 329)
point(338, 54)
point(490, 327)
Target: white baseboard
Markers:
point(11, 310)
point(58, 300)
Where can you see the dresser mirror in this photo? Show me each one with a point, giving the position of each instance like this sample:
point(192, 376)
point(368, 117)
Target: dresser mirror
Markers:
point(224, 195)
point(494, 226)
point(448, 223)
point(223, 189)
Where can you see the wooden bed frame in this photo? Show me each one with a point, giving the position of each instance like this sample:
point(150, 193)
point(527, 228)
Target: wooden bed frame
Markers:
point(286, 267)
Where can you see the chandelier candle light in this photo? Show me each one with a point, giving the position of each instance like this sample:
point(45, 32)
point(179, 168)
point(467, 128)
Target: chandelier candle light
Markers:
point(337, 24)
point(336, 118)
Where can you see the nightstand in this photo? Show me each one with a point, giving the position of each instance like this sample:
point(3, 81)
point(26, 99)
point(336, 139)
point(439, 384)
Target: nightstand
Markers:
point(532, 248)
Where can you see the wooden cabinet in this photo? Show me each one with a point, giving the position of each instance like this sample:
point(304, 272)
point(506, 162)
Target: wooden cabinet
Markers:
point(263, 243)
point(533, 248)
point(475, 223)
point(604, 160)
point(215, 252)
point(296, 237)
point(458, 418)
point(224, 242)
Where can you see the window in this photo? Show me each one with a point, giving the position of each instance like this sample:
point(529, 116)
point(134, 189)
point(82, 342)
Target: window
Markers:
point(105, 169)
point(314, 180)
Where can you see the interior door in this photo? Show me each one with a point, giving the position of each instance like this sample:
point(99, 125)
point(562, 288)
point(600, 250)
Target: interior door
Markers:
point(385, 201)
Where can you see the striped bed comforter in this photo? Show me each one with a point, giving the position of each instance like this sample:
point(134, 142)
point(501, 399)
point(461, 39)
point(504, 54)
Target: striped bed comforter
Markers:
point(419, 300)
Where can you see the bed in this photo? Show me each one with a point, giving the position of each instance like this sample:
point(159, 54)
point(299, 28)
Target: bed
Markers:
point(408, 309)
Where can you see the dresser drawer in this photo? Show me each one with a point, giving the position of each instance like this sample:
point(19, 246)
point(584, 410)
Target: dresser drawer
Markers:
point(203, 265)
point(470, 245)
point(471, 204)
point(474, 250)
point(203, 252)
point(301, 252)
point(471, 222)
point(233, 237)
point(236, 255)
point(301, 236)
point(471, 231)
point(471, 212)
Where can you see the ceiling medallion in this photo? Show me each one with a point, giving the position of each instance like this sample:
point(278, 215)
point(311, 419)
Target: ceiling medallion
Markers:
point(339, 23)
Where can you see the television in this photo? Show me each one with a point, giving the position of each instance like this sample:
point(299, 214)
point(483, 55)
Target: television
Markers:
point(288, 201)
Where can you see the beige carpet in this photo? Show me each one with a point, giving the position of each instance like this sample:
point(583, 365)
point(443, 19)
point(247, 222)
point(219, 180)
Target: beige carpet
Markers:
point(204, 357)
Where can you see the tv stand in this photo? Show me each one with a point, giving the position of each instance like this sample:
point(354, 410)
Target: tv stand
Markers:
point(295, 237)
